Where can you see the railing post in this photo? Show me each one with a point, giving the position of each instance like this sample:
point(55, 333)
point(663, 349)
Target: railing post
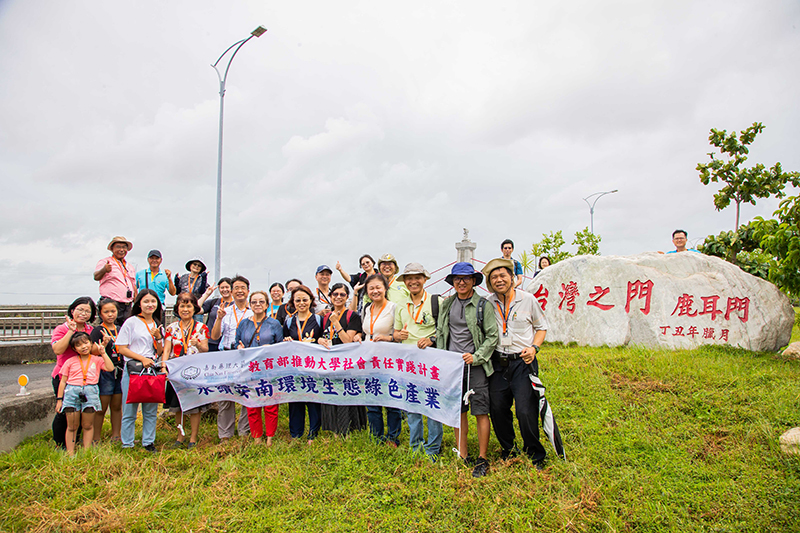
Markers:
point(42, 327)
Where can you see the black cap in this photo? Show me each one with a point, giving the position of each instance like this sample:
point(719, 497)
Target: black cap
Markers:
point(154, 253)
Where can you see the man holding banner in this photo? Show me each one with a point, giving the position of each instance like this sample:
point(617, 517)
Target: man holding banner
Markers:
point(464, 328)
point(224, 330)
point(415, 324)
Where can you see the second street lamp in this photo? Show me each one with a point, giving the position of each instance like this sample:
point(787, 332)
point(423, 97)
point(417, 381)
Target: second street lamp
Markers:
point(591, 206)
point(223, 78)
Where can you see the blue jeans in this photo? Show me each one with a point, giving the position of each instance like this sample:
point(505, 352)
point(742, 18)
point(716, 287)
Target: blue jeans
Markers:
point(129, 413)
point(415, 431)
point(394, 420)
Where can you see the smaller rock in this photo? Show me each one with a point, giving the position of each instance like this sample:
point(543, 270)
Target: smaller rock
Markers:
point(793, 350)
point(790, 441)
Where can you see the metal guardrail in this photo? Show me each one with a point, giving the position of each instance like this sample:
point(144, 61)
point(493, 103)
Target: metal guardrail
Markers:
point(30, 323)
point(36, 323)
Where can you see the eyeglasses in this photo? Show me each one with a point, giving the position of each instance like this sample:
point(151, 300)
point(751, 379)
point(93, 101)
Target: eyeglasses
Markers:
point(339, 295)
point(82, 311)
point(258, 302)
point(463, 279)
point(302, 300)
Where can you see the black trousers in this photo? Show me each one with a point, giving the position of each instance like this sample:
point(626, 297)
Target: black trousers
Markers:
point(511, 385)
point(60, 420)
point(123, 312)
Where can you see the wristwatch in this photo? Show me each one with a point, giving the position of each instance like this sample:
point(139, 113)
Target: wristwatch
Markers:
point(537, 348)
point(432, 339)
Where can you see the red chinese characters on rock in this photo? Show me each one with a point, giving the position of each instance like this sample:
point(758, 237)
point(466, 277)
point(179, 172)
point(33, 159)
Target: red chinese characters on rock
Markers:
point(541, 295)
point(693, 331)
point(739, 306)
point(598, 293)
point(568, 293)
point(642, 290)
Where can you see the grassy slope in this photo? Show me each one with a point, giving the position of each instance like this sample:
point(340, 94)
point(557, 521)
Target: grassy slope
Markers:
point(656, 441)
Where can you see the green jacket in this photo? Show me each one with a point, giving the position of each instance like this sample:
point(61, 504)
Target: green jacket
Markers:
point(485, 340)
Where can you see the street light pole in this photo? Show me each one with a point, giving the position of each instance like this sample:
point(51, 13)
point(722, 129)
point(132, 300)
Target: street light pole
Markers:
point(591, 206)
point(223, 78)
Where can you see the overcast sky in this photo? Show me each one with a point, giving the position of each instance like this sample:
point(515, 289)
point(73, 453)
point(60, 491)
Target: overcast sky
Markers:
point(369, 127)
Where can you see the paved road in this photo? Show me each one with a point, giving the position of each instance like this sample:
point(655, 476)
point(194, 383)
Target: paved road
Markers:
point(38, 375)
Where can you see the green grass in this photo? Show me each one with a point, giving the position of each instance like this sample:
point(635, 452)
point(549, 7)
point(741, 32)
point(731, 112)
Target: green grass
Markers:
point(656, 441)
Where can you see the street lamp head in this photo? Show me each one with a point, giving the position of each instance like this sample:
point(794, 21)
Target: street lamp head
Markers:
point(615, 190)
point(258, 32)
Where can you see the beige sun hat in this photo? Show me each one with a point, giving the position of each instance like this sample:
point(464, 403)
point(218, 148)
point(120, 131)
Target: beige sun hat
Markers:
point(496, 263)
point(119, 238)
point(412, 269)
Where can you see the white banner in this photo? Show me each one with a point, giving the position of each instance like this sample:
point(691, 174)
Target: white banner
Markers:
point(426, 381)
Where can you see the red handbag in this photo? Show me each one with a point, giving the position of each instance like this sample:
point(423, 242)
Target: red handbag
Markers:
point(147, 387)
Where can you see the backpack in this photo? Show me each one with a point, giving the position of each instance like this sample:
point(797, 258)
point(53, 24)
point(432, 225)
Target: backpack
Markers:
point(479, 314)
point(326, 321)
point(288, 322)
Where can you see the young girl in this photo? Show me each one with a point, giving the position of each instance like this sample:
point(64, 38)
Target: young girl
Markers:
point(78, 394)
point(110, 382)
point(185, 337)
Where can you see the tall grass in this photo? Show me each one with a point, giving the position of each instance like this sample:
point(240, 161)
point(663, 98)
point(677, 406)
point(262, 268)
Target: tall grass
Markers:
point(656, 441)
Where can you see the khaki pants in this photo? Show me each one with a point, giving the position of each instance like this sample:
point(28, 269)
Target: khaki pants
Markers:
point(226, 418)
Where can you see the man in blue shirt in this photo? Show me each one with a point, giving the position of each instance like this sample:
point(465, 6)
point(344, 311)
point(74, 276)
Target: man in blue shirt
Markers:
point(153, 278)
point(507, 247)
point(679, 240)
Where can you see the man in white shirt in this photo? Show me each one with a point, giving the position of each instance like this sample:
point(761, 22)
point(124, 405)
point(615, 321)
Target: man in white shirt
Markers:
point(224, 330)
point(522, 329)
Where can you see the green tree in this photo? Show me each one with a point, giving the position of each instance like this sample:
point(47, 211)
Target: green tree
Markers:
point(742, 184)
point(781, 239)
point(550, 245)
point(588, 242)
point(741, 247)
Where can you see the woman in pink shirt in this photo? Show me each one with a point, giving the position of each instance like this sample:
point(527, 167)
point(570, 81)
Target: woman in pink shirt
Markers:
point(78, 394)
point(79, 314)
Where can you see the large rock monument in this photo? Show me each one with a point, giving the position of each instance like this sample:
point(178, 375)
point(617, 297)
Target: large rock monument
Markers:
point(681, 300)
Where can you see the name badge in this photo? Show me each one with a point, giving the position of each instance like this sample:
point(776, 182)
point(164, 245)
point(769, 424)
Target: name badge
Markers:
point(505, 339)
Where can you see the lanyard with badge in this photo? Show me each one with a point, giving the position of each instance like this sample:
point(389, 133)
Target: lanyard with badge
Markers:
point(124, 270)
point(505, 313)
point(373, 317)
point(186, 336)
point(257, 334)
point(410, 307)
point(322, 297)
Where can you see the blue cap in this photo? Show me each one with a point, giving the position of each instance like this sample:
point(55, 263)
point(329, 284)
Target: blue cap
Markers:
point(464, 269)
point(324, 267)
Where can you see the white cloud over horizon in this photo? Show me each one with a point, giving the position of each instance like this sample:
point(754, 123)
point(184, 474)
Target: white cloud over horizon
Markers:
point(359, 127)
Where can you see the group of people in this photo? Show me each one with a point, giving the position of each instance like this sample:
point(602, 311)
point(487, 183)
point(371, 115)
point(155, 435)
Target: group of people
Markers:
point(498, 338)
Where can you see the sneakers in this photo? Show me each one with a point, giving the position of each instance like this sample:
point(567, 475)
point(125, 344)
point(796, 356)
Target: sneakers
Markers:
point(509, 454)
point(150, 448)
point(191, 445)
point(481, 467)
point(177, 444)
point(470, 460)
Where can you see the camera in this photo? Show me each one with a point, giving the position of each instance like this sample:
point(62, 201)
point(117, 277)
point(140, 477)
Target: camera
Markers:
point(82, 397)
point(129, 294)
